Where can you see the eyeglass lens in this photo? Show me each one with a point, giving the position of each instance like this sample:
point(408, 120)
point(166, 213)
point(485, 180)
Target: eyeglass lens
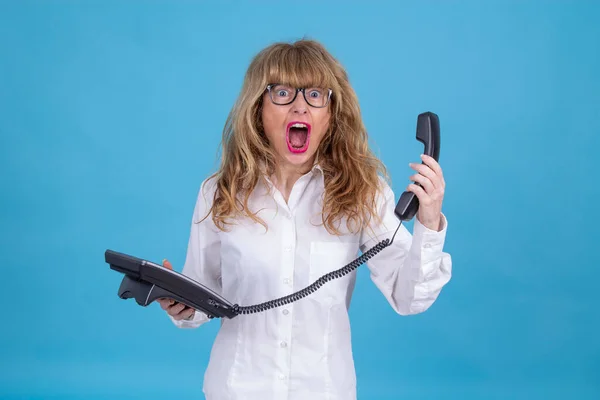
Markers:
point(315, 96)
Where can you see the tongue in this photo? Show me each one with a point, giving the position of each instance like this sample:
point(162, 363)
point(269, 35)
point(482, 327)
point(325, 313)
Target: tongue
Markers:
point(297, 137)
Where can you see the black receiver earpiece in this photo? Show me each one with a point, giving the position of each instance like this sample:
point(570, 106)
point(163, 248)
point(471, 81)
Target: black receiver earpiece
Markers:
point(146, 281)
point(428, 133)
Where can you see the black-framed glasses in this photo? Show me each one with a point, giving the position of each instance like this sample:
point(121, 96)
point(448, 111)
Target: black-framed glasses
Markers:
point(283, 95)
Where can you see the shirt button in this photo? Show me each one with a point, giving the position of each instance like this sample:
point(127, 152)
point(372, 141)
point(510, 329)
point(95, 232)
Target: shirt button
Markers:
point(288, 249)
point(281, 376)
point(427, 245)
point(285, 312)
point(286, 281)
point(283, 344)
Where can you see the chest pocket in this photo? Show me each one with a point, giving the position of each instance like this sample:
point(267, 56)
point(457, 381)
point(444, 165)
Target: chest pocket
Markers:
point(326, 257)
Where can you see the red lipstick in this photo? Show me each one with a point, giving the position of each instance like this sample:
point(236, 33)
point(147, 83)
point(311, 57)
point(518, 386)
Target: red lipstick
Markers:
point(298, 136)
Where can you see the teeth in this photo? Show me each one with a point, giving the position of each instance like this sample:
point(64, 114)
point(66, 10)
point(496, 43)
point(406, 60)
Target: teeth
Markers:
point(299, 125)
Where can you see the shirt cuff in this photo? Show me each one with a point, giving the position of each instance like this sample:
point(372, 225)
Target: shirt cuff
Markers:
point(199, 319)
point(428, 242)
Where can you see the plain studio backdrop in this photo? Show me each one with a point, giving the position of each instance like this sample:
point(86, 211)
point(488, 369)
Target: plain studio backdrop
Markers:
point(111, 115)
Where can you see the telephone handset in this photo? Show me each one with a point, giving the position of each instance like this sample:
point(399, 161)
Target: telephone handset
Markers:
point(428, 133)
point(146, 281)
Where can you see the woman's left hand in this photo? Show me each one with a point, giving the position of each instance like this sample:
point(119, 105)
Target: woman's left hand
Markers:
point(431, 192)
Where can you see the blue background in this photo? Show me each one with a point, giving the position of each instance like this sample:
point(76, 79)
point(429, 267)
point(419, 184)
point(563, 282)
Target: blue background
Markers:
point(111, 115)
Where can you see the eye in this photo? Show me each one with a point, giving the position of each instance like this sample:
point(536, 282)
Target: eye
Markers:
point(315, 93)
point(282, 91)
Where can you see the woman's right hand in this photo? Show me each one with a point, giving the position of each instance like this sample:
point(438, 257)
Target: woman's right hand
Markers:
point(174, 308)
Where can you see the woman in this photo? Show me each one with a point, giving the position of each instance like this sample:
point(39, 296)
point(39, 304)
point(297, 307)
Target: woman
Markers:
point(297, 195)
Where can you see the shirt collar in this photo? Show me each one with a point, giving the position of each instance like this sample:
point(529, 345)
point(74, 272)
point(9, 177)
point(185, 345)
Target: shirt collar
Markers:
point(315, 168)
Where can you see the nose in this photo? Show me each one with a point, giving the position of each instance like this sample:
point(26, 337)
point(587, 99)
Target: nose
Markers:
point(299, 106)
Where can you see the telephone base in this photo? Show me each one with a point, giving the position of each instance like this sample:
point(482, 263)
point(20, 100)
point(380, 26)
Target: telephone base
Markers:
point(147, 282)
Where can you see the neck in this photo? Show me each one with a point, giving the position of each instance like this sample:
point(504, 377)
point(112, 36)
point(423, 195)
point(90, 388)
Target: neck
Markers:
point(286, 175)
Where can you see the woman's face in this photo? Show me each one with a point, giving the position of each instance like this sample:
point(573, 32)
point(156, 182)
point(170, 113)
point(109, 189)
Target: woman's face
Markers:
point(294, 130)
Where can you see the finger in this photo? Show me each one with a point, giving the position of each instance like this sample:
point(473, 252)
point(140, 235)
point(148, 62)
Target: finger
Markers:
point(165, 303)
point(167, 264)
point(434, 165)
point(424, 170)
point(188, 313)
point(176, 308)
point(183, 314)
point(425, 183)
point(177, 317)
point(423, 197)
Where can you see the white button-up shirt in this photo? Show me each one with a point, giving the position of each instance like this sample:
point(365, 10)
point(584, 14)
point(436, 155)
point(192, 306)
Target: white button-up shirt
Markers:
point(301, 350)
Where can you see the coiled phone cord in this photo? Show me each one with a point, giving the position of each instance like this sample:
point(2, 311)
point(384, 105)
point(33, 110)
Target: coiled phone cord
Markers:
point(319, 282)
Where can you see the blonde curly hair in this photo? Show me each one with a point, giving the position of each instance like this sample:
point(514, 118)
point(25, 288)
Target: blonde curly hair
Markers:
point(352, 174)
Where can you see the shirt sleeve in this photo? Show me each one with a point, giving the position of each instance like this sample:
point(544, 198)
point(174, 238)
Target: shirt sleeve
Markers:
point(412, 271)
point(203, 261)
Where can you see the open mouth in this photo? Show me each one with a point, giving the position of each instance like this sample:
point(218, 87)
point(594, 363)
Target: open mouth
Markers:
point(298, 136)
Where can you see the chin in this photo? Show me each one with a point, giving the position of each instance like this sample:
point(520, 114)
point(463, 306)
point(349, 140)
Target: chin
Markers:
point(298, 158)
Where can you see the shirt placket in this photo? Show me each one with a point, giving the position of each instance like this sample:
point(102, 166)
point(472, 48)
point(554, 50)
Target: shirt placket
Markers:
point(288, 251)
point(288, 240)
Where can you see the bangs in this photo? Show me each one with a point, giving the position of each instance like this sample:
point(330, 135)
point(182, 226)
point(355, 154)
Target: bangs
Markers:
point(299, 67)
